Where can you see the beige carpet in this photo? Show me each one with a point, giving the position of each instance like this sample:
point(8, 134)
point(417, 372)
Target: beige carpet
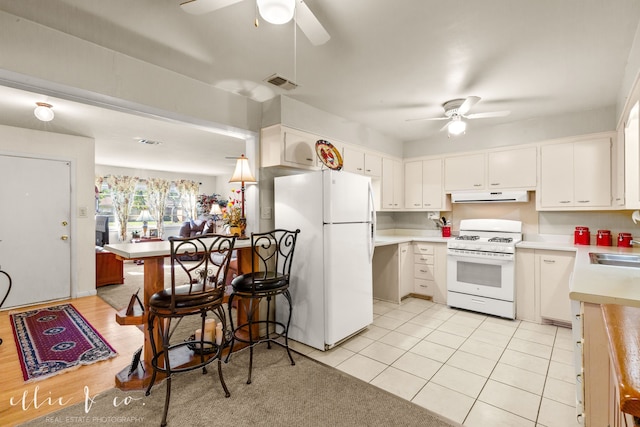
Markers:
point(307, 394)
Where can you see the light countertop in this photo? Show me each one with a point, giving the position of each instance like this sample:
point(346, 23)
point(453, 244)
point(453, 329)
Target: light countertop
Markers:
point(154, 249)
point(594, 283)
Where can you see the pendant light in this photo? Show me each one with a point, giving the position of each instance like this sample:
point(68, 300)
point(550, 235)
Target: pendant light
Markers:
point(276, 11)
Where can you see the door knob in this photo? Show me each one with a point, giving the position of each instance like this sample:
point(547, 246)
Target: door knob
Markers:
point(65, 223)
point(64, 237)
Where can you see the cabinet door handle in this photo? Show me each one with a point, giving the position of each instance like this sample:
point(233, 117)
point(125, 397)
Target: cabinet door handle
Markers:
point(359, 169)
point(583, 201)
point(416, 204)
point(495, 183)
point(477, 185)
point(309, 159)
point(427, 204)
point(549, 261)
point(564, 201)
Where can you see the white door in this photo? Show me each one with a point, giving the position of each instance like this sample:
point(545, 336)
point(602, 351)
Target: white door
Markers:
point(34, 220)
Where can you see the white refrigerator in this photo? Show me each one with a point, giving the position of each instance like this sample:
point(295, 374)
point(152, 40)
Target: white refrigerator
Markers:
point(331, 283)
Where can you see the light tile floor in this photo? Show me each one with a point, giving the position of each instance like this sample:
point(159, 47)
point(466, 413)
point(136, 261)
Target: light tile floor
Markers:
point(474, 369)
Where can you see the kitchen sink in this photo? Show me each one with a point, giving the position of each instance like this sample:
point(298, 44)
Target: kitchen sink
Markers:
point(618, 260)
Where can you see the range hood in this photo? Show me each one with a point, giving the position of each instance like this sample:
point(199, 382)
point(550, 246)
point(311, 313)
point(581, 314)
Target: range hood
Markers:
point(490, 196)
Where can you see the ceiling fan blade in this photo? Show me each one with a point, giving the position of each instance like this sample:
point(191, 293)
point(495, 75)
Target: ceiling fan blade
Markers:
point(427, 118)
point(309, 24)
point(489, 114)
point(200, 7)
point(467, 104)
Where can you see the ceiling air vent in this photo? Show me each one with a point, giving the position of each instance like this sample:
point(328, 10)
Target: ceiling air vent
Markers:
point(281, 82)
point(149, 141)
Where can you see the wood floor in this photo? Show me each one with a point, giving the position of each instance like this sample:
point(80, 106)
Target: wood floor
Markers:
point(20, 401)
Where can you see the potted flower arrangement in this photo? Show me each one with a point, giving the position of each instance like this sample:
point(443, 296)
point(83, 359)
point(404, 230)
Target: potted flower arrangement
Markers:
point(232, 214)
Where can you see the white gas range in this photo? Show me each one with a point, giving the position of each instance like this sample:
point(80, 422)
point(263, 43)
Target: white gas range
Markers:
point(481, 266)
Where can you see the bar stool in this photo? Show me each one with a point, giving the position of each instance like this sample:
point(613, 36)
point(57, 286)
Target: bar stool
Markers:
point(202, 292)
point(271, 259)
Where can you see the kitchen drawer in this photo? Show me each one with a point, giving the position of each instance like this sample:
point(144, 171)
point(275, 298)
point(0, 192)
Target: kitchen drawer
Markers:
point(423, 271)
point(423, 259)
point(421, 248)
point(423, 287)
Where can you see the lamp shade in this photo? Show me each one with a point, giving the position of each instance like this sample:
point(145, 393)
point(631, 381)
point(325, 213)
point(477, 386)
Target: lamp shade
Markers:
point(215, 209)
point(43, 111)
point(276, 11)
point(242, 173)
point(145, 215)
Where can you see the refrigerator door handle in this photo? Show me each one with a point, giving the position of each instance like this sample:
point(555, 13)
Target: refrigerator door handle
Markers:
point(372, 236)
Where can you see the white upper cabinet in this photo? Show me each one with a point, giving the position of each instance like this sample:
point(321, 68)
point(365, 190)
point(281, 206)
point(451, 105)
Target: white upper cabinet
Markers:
point(575, 175)
point(465, 172)
point(362, 162)
point(423, 185)
point(632, 159)
point(497, 169)
point(392, 188)
point(282, 146)
point(516, 168)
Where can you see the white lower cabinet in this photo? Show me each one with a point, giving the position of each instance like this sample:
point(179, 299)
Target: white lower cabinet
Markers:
point(430, 270)
point(392, 272)
point(554, 270)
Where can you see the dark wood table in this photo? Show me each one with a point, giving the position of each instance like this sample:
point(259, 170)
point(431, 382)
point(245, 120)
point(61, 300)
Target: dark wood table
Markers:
point(153, 254)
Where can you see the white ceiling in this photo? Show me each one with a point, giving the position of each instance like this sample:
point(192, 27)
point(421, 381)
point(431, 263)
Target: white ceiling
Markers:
point(387, 61)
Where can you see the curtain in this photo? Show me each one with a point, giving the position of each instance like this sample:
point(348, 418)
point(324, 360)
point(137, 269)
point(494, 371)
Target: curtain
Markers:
point(189, 193)
point(157, 191)
point(122, 190)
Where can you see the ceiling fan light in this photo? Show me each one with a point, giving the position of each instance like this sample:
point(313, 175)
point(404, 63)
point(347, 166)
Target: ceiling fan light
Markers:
point(43, 111)
point(276, 11)
point(456, 126)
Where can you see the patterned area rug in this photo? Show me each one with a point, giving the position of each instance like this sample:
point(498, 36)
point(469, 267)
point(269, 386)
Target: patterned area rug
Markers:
point(52, 339)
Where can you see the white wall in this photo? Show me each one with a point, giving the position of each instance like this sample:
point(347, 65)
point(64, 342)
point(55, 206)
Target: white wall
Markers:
point(521, 132)
point(293, 113)
point(80, 152)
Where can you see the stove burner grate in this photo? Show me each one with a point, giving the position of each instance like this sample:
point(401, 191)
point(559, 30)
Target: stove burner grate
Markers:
point(467, 237)
point(501, 239)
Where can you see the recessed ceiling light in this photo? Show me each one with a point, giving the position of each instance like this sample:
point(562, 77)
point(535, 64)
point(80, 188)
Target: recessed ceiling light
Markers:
point(149, 141)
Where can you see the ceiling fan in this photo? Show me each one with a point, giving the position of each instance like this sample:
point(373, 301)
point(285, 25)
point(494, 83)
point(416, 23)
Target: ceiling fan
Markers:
point(273, 11)
point(457, 109)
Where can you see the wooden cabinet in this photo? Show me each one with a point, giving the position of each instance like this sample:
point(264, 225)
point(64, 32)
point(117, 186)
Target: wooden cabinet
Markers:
point(109, 269)
point(423, 186)
point(392, 184)
point(464, 172)
point(497, 169)
point(553, 273)
point(283, 146)
point(362, 162)
point(575, 175)
point(429, 270)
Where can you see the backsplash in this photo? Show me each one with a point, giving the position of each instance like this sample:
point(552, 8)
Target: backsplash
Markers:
point(533, 222)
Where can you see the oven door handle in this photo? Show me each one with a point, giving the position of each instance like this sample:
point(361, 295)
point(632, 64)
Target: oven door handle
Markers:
point(481, 259)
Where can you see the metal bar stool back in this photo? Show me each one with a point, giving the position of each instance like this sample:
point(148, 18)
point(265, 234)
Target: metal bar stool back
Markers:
point(271, 260)
point(197, 288)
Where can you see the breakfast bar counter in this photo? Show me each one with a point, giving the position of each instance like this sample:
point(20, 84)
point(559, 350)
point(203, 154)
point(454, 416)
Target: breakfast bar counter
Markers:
point(153, 254)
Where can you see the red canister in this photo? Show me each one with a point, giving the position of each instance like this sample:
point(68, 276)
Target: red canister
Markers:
point(624, 240)
point(603, 238)
point(581, 236)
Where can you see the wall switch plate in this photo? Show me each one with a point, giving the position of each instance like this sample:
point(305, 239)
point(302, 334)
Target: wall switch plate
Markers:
point(265, 212)
point(83, 212)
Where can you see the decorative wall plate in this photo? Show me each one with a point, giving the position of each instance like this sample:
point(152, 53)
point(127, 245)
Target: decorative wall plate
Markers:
point(328, 154)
